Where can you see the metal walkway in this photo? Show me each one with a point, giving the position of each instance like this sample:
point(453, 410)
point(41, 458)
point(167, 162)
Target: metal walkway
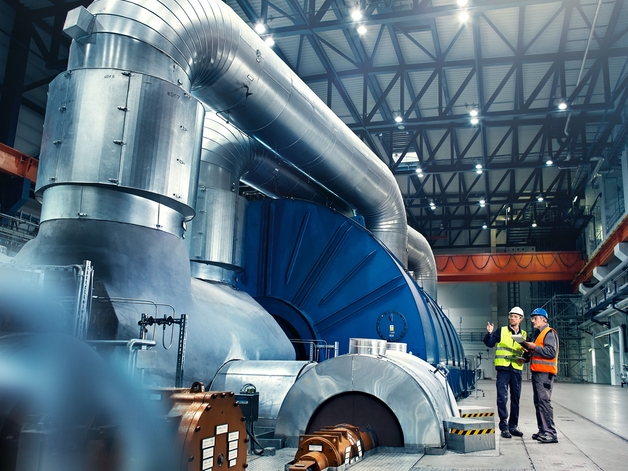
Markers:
point(592, 424)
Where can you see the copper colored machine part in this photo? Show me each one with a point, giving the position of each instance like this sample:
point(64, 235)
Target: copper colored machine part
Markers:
point(211, 429)
point(332, 447)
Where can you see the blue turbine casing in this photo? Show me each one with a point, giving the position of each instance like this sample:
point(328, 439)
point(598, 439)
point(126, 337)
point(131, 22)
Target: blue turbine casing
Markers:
point(324, 277)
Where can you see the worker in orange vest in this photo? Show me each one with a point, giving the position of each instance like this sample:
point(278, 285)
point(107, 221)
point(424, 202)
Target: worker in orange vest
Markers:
point(543, 354)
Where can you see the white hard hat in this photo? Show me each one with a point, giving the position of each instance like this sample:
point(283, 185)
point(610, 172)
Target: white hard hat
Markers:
point(516, 310)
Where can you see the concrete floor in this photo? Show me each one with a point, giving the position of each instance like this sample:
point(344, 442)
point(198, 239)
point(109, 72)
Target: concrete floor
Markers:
point(592, 424)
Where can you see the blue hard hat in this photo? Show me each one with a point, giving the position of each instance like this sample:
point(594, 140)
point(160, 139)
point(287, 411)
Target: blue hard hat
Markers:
point(539, 311)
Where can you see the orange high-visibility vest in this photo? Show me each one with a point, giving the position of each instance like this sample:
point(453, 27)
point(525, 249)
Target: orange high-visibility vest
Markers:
point(539, 364)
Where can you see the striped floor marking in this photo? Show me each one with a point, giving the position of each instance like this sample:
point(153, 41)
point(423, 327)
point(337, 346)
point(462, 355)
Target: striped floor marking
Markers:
point(472, 432)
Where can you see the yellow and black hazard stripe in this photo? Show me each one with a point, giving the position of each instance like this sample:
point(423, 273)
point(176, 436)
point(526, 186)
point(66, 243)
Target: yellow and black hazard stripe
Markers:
point(479, 414)
point(472, 432)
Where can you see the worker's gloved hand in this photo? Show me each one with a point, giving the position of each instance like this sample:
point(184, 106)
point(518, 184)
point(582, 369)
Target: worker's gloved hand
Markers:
point(489, 327)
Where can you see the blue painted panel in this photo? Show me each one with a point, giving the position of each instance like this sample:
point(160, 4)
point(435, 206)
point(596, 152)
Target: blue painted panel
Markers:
point(455, 380)
point(325, 277)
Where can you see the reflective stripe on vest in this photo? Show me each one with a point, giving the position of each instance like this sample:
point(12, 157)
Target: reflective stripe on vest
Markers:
point(539, 364)
point(508, 350)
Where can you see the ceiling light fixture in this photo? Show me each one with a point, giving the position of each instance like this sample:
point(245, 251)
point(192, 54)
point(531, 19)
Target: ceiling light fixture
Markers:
point(398, 118)
point(549, 162)
point(484, 226)
point(539, 198)
point(463, 16)
point(432, 205)
point(474, 121)
point(462, 2)
point(356, 15)
point(562, 106)
point(361, 29)
point(474, 112)
point(478, 169)
point(533, 223)
point(260, 28)
point(269, 41)
point(482, 203)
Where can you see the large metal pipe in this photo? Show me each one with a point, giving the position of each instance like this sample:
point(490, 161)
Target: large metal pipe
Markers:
point(421, 262)
point(227, 147)
point(228, 152)
point(208, 50)
point(228, 156)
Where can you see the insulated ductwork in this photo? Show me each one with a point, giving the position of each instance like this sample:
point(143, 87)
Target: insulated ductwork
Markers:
point(227, 157)
point(208, 50)
point(228, 148)
point(421, 262)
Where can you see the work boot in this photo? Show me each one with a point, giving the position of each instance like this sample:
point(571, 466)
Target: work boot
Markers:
point(506, 434)
point(515, 432)
point(547, 439)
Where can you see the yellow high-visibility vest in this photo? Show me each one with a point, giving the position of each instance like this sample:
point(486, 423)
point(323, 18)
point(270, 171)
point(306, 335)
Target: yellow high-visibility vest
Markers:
point(508, 350)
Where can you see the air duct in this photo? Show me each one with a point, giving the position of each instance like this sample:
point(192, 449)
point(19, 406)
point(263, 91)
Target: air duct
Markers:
point(227, 157)
point(421, 262)
point(207, 49)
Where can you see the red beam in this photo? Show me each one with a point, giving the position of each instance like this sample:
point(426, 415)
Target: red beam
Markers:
point(14, 162)
point(503, 267)
point(604, 253)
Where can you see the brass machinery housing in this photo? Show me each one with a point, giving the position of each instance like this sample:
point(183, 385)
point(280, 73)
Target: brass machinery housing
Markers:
point(211, 428)
point(332, 447)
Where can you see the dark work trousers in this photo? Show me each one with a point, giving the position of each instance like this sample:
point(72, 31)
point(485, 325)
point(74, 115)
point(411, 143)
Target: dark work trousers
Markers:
point(542, 384)
point(508, 379)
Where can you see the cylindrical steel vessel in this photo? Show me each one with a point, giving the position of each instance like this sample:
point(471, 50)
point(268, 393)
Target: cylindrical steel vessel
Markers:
point(271, 379)
point(367, 346)
point(124, 131)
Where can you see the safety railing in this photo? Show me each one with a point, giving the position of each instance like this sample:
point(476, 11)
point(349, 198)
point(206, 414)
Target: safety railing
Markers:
point(319, 350)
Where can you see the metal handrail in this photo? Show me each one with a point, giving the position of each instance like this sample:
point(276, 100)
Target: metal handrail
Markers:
point(318, 345)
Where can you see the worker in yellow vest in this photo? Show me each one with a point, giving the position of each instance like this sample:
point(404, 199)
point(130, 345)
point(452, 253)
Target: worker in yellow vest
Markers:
point(543, 353)
point(509, 365)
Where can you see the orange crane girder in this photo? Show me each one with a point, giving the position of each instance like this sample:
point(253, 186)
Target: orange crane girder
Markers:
point(14, 162)
point(503, 267)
